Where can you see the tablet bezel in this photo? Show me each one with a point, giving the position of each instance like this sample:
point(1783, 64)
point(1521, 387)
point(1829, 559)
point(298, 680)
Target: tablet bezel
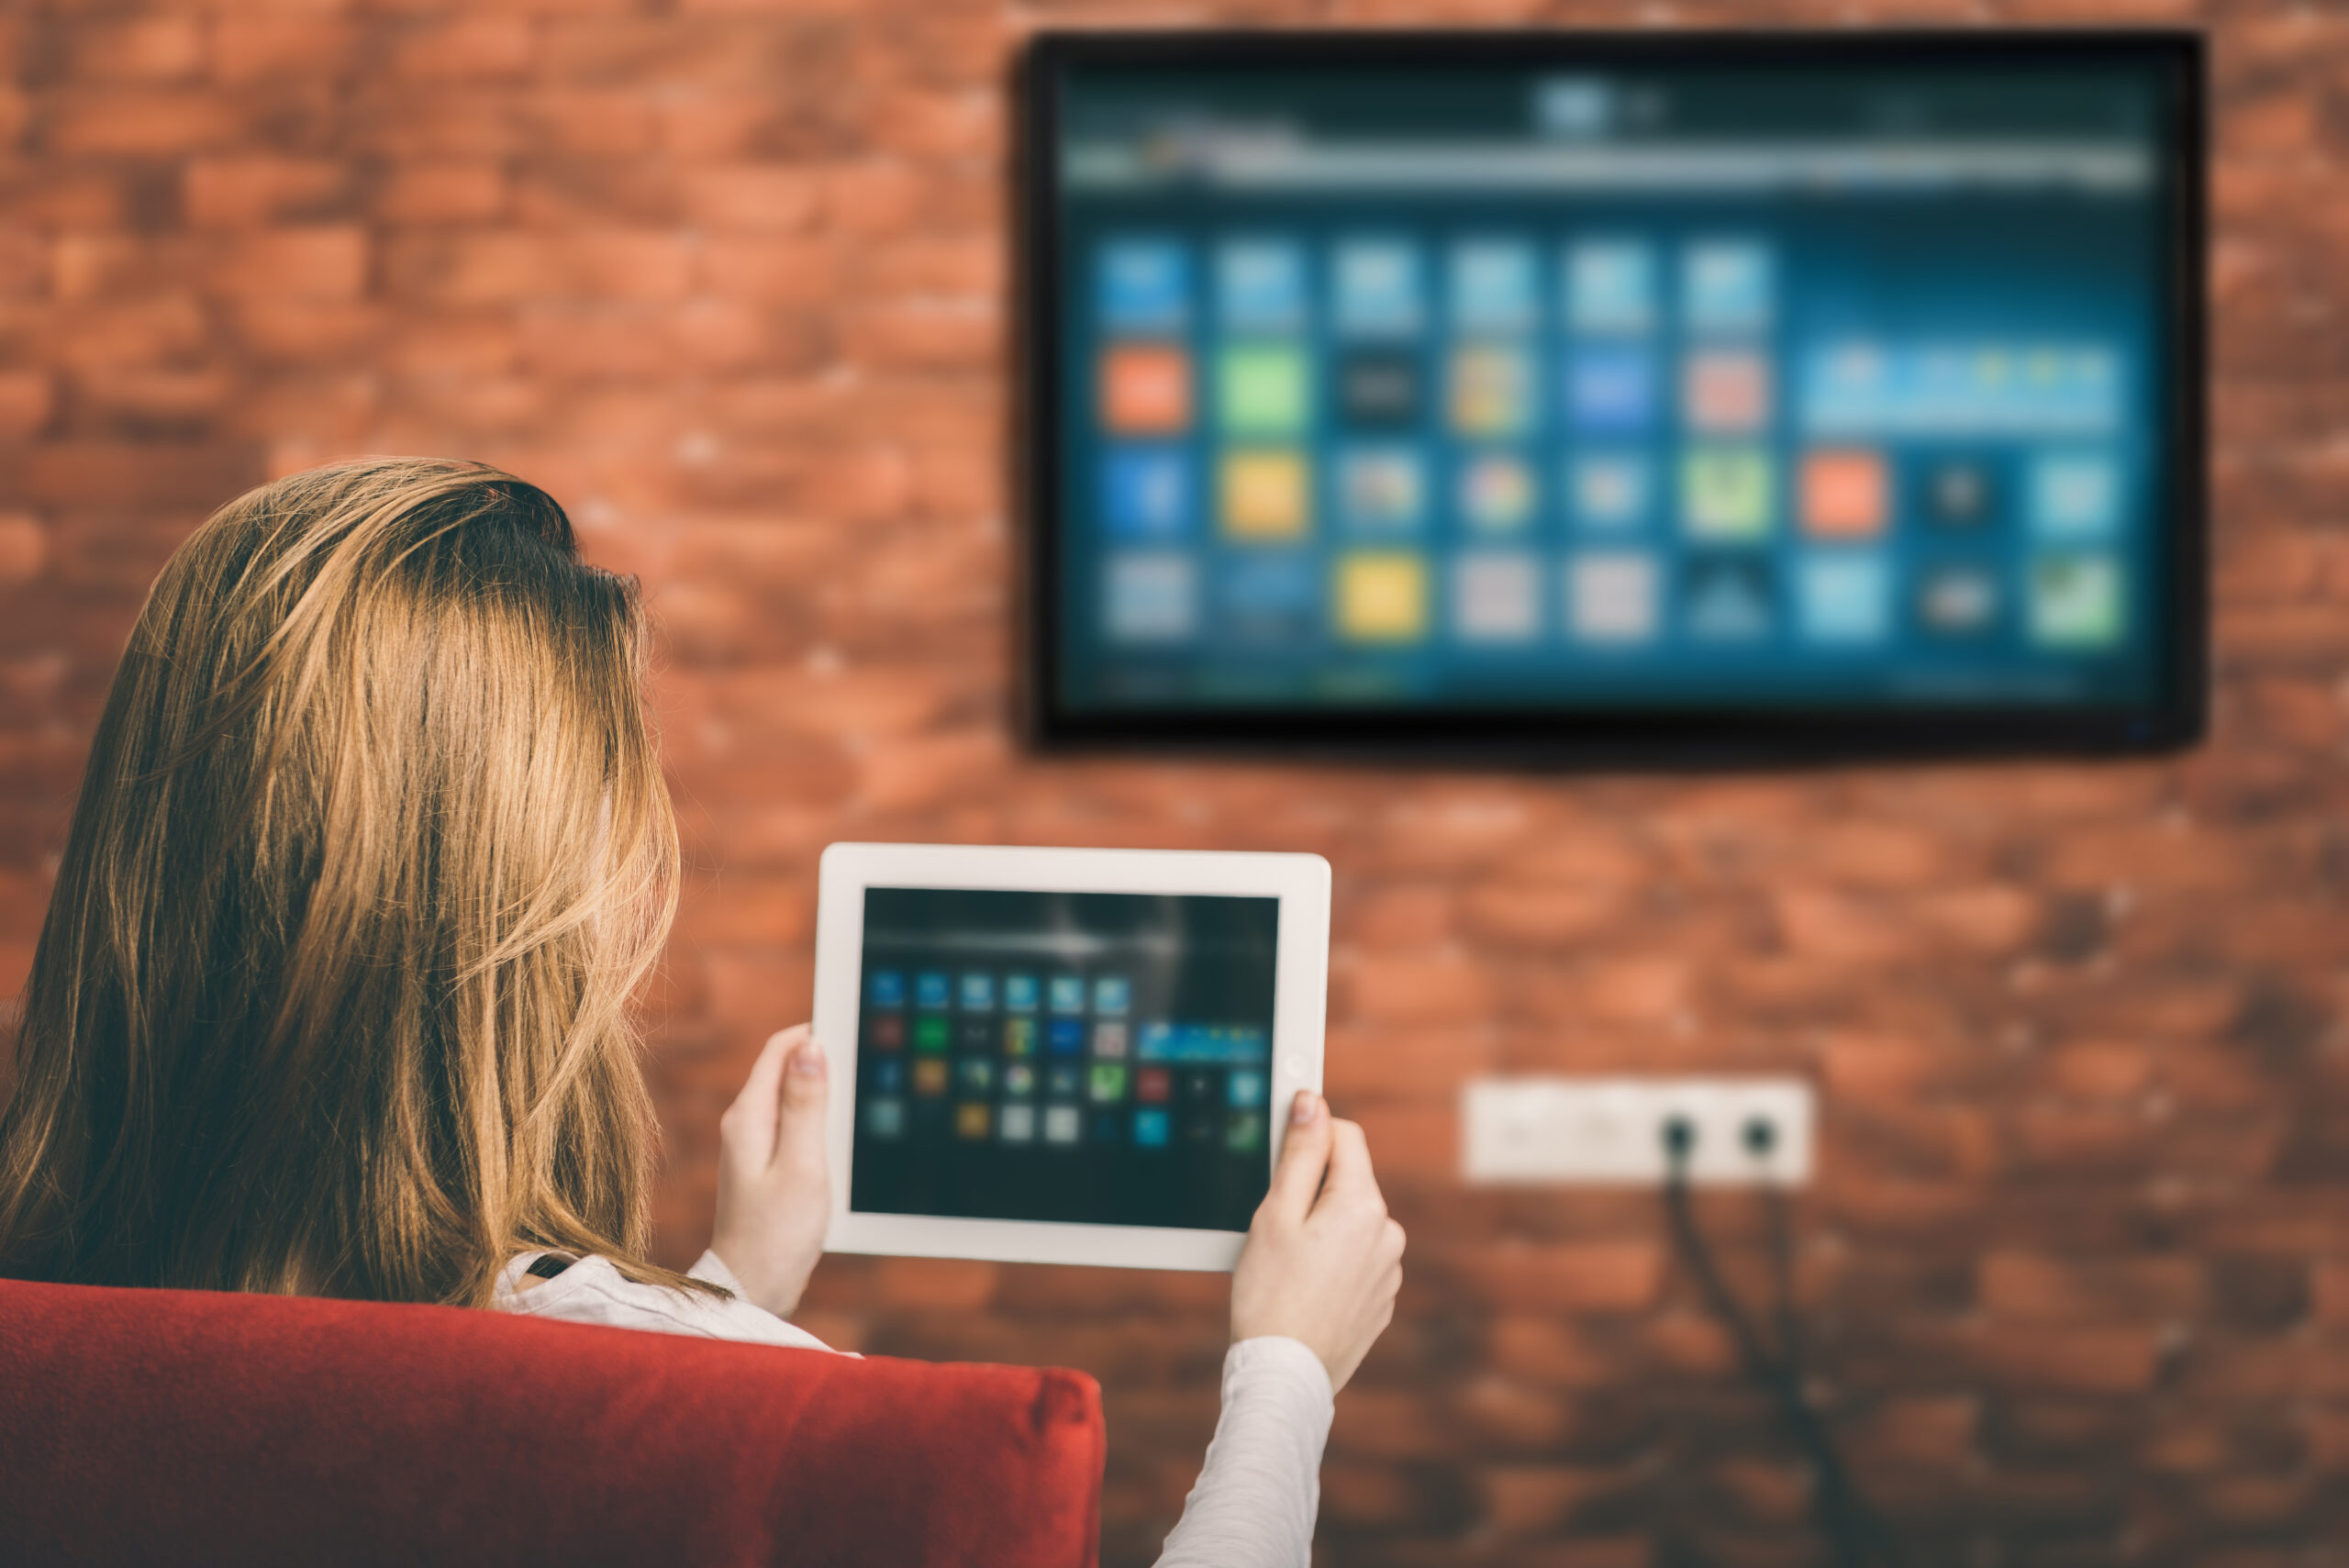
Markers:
point(1301, 882)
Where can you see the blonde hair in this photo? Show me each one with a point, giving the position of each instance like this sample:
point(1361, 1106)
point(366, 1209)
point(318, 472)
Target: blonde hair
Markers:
point(373, 850)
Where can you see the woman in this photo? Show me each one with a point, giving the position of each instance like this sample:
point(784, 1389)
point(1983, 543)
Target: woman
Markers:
point(332, 997)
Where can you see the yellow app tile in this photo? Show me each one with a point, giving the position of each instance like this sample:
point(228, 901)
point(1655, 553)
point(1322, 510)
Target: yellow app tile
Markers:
point(1264, 495)
point(1382, 597)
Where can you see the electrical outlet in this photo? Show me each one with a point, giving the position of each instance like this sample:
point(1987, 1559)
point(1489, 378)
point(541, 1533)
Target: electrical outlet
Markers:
point(1610, 1131)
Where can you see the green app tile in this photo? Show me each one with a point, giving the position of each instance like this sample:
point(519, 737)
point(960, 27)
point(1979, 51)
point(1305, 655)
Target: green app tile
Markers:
point(1725, 493)
point(1261, 390)
point(2075, 601)
point(930, 1034)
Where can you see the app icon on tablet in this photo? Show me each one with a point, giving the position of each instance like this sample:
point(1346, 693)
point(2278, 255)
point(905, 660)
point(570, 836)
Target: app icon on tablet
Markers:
point(886, 1118)
point(1244, 1134)
point(1146, 389)
point(1153, 1086)
point(1259, 285)
point(930, 1034)
point(1109, 1040)
point(1497, 597)
point(971, 1121)
point(1378, 389)
point(1062, 1124)
point(886, 1031)
point(1068, 994)
point(1150, 1128)
point(1246, 1088)
point(1378, 286)
point(1108, 1082)
point(1067, 1039)
point(977, 1034)
point(1019, 1081)
point(1493, 287)
point(1726, 286)
point(886, 988)
point(889, 1074)
point(1061, 1080)
point(931, 989)
point(1018, 993)
point(1111, 994)
point(1146, 495)
point(1145, 285)
point(1108, 1126)
point(1016, 1124)
point(929, 1076)
point(1611, 286)
point(974, 1075)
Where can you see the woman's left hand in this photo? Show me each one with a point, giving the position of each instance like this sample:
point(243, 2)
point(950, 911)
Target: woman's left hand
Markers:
point(774, 1192)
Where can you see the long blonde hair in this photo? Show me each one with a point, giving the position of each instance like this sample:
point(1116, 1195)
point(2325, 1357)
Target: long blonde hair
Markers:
point(374, 847)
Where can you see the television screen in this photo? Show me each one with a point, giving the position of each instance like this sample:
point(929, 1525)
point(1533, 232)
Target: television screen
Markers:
point(1638, 397)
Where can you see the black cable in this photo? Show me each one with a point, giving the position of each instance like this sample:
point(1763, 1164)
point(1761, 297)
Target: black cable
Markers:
point(1856, 1535)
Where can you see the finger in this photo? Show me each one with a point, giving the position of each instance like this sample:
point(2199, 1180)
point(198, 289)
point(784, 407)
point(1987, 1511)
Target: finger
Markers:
point(799, 1131)
point(751, 1119)
point(1304, 1156)
point(1351, 1178)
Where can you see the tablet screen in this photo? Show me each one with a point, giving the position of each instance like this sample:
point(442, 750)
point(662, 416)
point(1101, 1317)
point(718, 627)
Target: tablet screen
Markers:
point(1098, 1058)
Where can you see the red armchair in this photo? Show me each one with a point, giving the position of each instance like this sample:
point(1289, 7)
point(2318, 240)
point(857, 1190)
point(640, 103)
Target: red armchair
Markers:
point(153, 1426)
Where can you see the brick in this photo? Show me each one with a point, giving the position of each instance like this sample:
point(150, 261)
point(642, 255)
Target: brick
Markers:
point(26, 399)
point(1597, 1276)
point(24, 549)
point(326, 263)
point(778, 199)
point(101, 121)
point(2024, 1285)
point(1526, 1500)
point(2093, 1360)
point(444, 190)
point(255, 44)
point(243, 191)
point(139, 48)
point(467, 47)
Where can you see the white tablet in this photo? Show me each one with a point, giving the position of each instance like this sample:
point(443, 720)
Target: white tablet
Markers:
point(1064, 1056)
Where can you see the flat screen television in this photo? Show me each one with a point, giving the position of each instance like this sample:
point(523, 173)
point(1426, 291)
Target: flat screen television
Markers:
point(1619, 398)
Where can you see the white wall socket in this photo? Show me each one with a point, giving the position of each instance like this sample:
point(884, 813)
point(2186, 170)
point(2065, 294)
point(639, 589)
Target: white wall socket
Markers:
point(1609, 1131)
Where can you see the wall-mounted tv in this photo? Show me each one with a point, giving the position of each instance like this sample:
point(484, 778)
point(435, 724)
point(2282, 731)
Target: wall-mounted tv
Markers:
point(1631, 399)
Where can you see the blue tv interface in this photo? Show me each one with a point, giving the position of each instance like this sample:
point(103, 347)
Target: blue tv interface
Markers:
point(1663, 393)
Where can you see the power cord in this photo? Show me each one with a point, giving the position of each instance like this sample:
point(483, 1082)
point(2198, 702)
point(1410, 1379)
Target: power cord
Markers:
point(1856, 1534)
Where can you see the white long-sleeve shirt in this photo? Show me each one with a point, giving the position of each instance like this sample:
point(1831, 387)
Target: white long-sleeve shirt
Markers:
point(1257, 1495)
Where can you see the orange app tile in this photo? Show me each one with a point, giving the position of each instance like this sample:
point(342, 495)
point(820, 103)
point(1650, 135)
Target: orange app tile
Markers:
point(1844, 494)
point(929, 1076)
point(1146, 389)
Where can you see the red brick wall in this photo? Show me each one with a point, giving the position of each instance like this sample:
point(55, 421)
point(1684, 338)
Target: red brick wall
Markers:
point(727, 278)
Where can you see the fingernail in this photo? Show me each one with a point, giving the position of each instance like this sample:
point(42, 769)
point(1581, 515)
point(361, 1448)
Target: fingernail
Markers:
point(808, 1060)
point(1307, 1106)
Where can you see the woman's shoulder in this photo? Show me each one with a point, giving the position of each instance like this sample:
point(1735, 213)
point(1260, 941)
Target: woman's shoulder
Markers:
point(593, 1290)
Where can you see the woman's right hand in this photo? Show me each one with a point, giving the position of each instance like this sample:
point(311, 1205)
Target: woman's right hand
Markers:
point(1323, 1261)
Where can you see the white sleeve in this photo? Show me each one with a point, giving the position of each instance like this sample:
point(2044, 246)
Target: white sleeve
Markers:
point(593, 1290)
point(1261, 1486)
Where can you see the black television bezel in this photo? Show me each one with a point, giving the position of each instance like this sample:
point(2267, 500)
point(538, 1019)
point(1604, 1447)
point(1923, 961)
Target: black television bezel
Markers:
point(1662, 738)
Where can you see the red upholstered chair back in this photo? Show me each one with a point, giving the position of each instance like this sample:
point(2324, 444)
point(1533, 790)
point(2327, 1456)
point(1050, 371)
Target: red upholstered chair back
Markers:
point(158, 1426)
